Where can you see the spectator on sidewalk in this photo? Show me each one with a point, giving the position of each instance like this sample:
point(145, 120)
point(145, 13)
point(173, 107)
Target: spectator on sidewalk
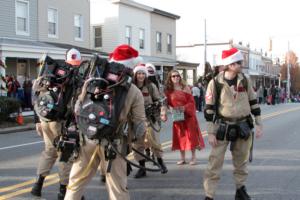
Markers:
point(201, 97)
point(186, 132)
point(196, 95)
point(27, 86)
point(260, 94)
point(265, 95)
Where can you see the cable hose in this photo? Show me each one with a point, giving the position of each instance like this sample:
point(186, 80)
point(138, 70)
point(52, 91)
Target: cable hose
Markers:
point(155, 128)
point(136, 165)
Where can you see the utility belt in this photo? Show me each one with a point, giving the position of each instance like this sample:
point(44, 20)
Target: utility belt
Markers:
point(232, 129)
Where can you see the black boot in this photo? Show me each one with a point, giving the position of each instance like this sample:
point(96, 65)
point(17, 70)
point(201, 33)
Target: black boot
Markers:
point(241, 194)
point(103, 178)
point(62, 192)
point(164, 169)
point(148, 152)
point(208, 198)
point(129, 169)
point(37, 187)
point(153, 158)
point(141, 172)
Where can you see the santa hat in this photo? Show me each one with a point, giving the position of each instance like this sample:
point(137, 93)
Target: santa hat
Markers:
point(141, 68)
point(231, 56)
point(73, 57)
point(151, 69)
point(125, 55)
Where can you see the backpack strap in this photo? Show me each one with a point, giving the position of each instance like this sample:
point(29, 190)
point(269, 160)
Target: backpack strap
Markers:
point(151, 91)
point(218, 87)
point(245, 82)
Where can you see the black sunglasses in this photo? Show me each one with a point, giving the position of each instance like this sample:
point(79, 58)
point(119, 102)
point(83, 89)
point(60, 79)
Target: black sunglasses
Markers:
point(173, 76)
point(239, 62)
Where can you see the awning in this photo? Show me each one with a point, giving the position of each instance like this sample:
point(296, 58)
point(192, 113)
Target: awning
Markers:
point(159, 61)
point(28, 49)
point(254, 73)
point(17, 48)
point(82, 50)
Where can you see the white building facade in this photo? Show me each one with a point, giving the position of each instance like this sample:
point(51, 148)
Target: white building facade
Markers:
point(151, 31)
point(30, 28)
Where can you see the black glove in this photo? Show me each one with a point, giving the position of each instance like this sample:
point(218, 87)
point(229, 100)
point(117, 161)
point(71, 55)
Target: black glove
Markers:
point(129, 169)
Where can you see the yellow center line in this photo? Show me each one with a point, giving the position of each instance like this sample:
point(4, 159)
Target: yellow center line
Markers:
point(279, 113)
point(55, 178)
point(26, 190)
point(13, 187)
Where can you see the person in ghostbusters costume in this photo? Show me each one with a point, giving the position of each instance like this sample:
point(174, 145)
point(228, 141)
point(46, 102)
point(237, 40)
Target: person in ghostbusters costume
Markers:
point(132, 112)
point(228, 115)
point(151, 95)
point(50, 130)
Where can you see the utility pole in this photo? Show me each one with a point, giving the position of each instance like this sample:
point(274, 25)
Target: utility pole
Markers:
point(288, 84)
point(205, 41)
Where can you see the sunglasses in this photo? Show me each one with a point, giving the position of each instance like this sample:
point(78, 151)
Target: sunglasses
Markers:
point(173, 76)
point(239, 62)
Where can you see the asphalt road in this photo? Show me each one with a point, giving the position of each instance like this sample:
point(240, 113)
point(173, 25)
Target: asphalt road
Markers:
point(274, 173)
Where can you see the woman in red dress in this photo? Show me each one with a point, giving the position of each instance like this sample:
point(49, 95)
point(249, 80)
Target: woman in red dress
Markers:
point(186, 131)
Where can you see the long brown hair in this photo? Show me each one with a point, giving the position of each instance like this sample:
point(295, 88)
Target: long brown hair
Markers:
point(146, 81)
point(169, 83)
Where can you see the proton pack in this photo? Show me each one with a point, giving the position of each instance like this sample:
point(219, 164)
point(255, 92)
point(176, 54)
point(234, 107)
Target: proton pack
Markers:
point(152, 112)
point(68, 144)
point(53, 76)
point(102, 99)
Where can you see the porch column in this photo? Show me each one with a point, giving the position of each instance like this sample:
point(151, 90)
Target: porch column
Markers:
point(2, 73)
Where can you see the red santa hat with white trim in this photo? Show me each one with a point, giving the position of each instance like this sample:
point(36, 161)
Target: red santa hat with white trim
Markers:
point(141, 68)
point(125, 55)
point(231, 56)
point(151, 69)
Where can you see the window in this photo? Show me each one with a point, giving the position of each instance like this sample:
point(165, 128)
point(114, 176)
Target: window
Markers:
point(169, 43)
point(52, 22)
point(98, 37)
point(22, 17)
point(142, 39)
point(158, 41)
point(78, 26)
point(128, 35)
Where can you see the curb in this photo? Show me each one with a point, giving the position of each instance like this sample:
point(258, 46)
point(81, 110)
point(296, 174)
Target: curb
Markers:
point(16, 129)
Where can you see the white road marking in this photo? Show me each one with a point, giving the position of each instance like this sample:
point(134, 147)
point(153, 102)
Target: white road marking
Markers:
point(21, 145)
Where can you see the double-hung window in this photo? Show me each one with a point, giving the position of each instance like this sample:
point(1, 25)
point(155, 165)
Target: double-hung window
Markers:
point(128, 35)
point(169, 43)
point(52, 22)
point(98, 37)
point(78, 27)
point(158, 41)
point(22, 17)
point(142, 39)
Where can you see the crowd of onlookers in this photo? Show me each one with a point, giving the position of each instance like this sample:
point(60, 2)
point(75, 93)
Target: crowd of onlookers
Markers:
point(274, 95)
point(271, 96)
point(18, 91)
point(265, 95)
point(198, 93)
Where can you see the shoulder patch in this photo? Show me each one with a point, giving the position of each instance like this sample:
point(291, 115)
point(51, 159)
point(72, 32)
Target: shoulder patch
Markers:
point(208, 96)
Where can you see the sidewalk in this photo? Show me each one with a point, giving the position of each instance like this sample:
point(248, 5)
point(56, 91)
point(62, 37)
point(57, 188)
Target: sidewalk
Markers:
point(14, 129)
point(29, 125)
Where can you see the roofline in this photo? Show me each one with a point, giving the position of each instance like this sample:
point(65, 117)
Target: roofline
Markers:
point(133, 4)
point(166, 14)
point(187, 63)
point(146, 8)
